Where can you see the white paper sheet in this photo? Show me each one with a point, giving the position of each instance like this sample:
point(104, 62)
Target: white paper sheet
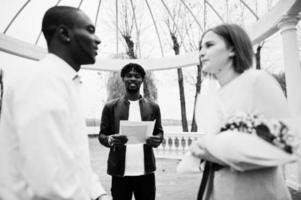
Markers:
point(137, 132)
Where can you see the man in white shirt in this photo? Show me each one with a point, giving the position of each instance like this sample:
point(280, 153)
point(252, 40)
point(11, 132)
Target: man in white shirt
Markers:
point(132, 166)
point(43, 142)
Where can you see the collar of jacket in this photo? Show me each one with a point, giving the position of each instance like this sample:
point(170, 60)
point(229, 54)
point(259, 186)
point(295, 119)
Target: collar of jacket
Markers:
point(126, 99)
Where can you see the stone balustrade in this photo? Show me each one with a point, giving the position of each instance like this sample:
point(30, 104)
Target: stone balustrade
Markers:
point(175, 145)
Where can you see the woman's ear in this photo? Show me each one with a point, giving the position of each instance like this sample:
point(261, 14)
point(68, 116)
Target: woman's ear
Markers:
point(231, 53)
point(64, 34)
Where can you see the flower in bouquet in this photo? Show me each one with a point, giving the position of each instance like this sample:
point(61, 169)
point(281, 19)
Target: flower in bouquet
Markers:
point(276, 132)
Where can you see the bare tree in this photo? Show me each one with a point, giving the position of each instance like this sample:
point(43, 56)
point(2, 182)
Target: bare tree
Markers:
point(254, 12)
point(176, 48)
point(181, 25)
point(194, 126)
point(247, 8)
point(115, 86)
point(149, 87)
point(258, 55)
point(172, 27)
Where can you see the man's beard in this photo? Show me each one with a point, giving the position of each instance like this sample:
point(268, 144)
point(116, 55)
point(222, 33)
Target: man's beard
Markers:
point(133, 90)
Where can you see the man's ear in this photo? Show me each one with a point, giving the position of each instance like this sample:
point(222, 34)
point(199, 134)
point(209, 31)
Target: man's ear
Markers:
point(64, 34)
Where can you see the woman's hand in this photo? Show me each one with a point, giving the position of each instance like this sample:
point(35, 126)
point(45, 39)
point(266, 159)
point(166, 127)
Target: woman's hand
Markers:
point(200, 149)
point(197, 148)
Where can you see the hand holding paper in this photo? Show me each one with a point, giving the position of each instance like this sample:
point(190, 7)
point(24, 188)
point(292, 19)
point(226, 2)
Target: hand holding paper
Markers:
point(154, 140)
point(118, 139)
point(137, 132)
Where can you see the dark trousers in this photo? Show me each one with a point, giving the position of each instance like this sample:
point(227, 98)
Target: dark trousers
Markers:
point(143, 187)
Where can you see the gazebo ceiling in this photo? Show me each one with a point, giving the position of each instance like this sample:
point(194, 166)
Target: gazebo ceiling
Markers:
point(149, 25)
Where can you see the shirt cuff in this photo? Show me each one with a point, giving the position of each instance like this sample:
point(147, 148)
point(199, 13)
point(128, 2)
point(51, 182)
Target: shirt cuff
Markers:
point(99, 197)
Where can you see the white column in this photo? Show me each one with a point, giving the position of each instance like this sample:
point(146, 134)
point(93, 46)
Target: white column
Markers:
point(292, 67)
point(292, 70)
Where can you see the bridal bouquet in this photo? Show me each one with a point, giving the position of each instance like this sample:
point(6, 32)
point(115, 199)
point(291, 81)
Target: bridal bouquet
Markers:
point(276, 132)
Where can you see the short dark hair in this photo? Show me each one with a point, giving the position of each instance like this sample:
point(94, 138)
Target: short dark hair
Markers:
point(235, 37)
point(132, 66)
point(56, 16)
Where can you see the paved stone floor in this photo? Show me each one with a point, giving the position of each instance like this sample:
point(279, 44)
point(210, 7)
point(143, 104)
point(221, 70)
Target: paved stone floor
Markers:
point(170, 184)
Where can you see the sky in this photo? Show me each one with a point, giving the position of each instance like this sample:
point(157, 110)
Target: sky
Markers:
point(27, 27)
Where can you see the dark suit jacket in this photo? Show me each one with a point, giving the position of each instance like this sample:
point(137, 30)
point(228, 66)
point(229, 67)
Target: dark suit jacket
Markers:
point(113, 112)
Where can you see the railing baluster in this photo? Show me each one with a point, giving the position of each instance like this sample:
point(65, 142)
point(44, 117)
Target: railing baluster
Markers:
point(174, 145)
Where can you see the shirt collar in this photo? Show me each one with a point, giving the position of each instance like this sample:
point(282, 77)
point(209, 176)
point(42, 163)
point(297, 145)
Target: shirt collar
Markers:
point(127, 100)
point(77, 79)
point(61, 67)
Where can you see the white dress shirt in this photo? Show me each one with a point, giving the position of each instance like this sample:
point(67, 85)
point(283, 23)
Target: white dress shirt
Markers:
point(43, 142)
point(134, 160)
